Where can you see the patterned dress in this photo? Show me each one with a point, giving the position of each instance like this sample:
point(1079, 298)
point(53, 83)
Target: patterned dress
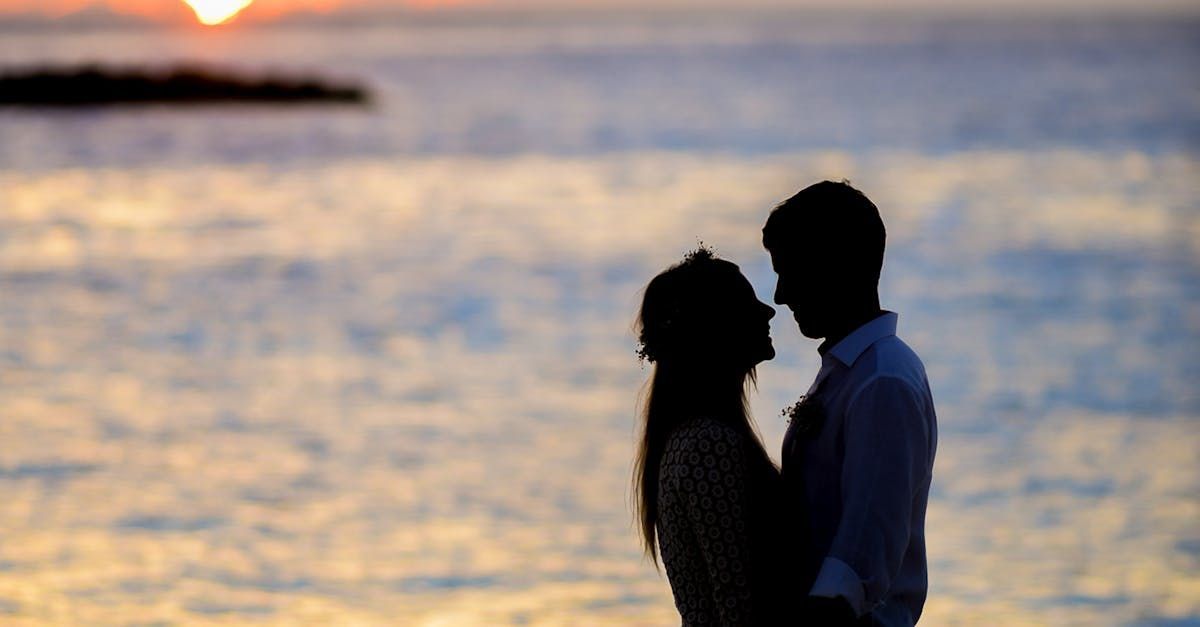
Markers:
point(721, 529)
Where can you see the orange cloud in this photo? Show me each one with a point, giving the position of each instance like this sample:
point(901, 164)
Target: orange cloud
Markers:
point(273, 8)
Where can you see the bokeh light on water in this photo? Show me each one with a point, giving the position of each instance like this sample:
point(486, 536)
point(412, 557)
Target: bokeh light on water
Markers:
point(376, 367)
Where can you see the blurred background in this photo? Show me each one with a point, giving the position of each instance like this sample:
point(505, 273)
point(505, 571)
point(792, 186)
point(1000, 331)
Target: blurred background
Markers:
point(374, 364)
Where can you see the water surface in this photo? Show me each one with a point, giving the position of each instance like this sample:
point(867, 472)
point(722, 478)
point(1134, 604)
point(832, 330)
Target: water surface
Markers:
point(375, 366)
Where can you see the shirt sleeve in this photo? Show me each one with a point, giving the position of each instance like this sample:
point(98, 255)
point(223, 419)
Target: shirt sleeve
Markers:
point(887, 449)
point(717, 509)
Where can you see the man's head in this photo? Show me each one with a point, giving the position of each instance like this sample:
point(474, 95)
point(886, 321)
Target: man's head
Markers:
point(826, 245)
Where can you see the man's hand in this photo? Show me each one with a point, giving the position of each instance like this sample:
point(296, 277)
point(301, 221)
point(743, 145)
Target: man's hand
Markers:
point(827, 612)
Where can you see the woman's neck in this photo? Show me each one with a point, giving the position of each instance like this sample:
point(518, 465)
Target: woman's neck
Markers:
point(706, 392)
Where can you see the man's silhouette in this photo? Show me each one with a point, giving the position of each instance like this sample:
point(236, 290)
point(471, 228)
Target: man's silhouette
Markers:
point(860, 479)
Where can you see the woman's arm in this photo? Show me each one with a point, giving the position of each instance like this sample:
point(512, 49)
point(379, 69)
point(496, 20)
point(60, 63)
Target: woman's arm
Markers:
point(717, 507)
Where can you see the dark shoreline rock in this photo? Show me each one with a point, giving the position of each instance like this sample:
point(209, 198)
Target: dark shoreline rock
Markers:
point(97, 85)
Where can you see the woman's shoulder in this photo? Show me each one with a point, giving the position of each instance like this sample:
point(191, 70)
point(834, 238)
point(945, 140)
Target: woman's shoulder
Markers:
point(704, 452)
point(705, 435)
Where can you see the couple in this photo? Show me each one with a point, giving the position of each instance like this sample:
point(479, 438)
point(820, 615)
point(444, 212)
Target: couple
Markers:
point(837, 536)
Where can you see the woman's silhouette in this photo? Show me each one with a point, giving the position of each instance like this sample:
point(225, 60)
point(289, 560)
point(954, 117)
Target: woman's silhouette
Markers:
point(706, 489)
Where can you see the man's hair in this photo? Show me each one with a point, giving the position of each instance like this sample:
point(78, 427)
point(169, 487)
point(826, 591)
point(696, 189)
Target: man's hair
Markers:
point(830, 219)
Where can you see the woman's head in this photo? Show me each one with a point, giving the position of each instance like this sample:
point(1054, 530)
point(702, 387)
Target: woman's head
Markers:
point(704, 330)
point(702, 315)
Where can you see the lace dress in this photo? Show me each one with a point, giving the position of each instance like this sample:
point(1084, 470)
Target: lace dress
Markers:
point(721, 531)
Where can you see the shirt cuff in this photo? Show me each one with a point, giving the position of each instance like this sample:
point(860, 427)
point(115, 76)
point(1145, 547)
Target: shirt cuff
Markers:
point(837, 579)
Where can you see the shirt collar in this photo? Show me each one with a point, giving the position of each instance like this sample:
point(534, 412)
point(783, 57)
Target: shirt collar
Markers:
point(852, 346)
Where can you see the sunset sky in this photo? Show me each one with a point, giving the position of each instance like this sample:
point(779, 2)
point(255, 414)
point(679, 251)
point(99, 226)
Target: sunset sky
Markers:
point(268, 9)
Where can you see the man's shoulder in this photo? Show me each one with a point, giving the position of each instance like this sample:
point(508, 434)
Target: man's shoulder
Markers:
point(890, 358)
point(891, 377)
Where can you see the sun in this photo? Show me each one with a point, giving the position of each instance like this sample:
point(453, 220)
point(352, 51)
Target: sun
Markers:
point(213, 12)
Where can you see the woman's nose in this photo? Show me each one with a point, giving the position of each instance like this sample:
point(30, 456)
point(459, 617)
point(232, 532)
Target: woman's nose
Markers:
point(770, 311)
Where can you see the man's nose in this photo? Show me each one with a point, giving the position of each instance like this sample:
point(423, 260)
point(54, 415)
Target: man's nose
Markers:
point(779, 293)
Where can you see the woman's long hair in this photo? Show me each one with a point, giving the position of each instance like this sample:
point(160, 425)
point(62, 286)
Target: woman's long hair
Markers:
point(684, 329)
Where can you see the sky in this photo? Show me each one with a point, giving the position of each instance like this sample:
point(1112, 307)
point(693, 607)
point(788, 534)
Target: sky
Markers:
point(161, 9)
point(168, 10)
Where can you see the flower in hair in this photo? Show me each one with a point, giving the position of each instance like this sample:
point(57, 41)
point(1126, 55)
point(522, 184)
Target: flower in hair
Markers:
point(654, 339)
point(703, 252)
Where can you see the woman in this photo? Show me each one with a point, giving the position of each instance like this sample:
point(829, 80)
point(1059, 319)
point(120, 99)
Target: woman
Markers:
point(705, 488)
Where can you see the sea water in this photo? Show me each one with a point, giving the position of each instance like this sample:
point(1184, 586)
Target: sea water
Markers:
point(375, 365)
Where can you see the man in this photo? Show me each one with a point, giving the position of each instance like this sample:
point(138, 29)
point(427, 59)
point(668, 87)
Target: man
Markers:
point(859, 473)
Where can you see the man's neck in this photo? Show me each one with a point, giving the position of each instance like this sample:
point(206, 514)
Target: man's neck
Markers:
point(850, 325)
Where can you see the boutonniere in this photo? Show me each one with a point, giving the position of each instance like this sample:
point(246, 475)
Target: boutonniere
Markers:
point(805, 417)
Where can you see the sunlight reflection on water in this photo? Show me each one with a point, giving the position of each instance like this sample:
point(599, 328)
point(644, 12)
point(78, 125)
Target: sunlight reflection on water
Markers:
point(239, 395)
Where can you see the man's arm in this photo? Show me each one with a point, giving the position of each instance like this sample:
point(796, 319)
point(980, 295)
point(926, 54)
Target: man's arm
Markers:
point(887, 450)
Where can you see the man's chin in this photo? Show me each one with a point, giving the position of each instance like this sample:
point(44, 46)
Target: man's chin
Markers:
point(807, 328)
point(809, 331)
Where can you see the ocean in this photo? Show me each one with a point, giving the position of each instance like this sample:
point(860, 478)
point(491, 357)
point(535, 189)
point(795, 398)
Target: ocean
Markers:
point(340, 365)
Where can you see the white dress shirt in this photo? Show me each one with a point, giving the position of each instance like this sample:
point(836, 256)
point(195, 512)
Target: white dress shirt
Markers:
point(864, 478)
